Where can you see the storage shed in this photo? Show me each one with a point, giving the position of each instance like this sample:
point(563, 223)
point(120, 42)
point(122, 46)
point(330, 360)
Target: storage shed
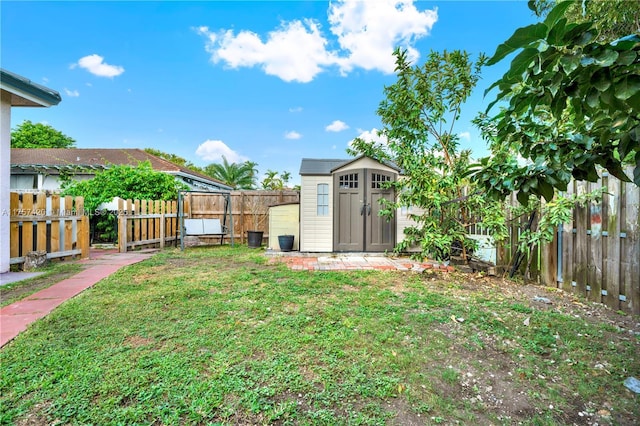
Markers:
point(339, 206)
point(283, 220)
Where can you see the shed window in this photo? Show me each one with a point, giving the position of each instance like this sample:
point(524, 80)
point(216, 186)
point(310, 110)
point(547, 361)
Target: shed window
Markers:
point(378, 181)
point(349, 181)
point(323, 199)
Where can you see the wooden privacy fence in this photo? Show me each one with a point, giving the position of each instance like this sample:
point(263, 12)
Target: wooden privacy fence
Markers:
point(597, 254)
point(146, 223)
point(47, 222)
point(153, 223)
point(250, 209)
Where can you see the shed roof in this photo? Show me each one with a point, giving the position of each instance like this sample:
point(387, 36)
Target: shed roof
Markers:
point(99, 158)
point(324, 167)
point(317, 166)
point(25, 92)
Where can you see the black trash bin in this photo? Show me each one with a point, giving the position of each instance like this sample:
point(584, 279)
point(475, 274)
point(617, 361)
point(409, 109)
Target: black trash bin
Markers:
point(254, 239)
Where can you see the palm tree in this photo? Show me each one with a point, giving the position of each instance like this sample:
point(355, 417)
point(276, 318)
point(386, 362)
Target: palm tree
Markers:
point(285, 176)
point(236, 175)
point(272, 181)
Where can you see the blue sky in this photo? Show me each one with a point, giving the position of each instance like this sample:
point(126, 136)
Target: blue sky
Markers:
point(271, 82)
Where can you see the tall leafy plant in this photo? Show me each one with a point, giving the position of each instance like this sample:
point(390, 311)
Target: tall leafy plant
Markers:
point(124, 181)
point(419, 115)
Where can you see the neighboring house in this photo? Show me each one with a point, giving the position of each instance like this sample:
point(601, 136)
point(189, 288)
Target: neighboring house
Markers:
point(339, 205)
point(15, 91)
point(40, 169)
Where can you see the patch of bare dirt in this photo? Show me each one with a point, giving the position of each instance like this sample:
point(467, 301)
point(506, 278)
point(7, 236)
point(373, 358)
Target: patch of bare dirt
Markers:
point(138, 341)
point(36, 416)
point(488, 378)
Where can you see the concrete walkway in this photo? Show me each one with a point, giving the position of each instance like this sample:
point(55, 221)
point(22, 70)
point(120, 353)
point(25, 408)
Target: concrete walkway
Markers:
point(15, 318)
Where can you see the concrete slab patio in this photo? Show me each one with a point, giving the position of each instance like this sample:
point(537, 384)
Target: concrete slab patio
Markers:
point(353, 261)
point(15, 318)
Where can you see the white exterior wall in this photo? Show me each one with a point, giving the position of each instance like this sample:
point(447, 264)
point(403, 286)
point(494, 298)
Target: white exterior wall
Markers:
point(316, 232)
point(40, 182)
point(5, 176)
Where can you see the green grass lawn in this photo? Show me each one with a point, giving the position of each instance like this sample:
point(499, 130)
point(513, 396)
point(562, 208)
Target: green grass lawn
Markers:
point(222, 336)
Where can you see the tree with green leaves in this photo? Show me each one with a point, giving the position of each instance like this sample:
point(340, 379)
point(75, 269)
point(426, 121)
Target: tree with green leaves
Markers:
point(571, 104)
point(613, 18)
point(236, 175)
point(419, 116)
point(173, 158)
point(38, 135)
point(124, 181)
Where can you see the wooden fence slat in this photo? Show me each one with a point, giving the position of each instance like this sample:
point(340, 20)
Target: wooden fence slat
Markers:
point(156, 221)
point(580, 239)
point(144, 223)
point(129, 227)
point(55, 225)
point(150, 222)
point(14, 227)
point(567, 250)
point(174, 219)
point(27, 225)
point(136, 223)
point(41, 227)
point(630, 252)
point(595, 264)
point(82, 235)
point(161, 223)
point(68, 224)
point(612, 278)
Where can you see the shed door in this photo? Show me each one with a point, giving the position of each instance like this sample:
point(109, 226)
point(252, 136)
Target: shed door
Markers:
point(357, 225)
point(379, 232)
point(348, 226)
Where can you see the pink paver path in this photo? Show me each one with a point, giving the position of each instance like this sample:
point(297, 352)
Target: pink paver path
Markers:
point(15, 318)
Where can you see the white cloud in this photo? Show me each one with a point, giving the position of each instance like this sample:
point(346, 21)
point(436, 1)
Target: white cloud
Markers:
point(371, 136)
point(369, 31)
point(364, 32)
point(95, 65)
point(214, 150)
point(295, 109)
point(465, 135)
point(292, 135)
point(294, 52)
point(71, 93)
point(336, 126)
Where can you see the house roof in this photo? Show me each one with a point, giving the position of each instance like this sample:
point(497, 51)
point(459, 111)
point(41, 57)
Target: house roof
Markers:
point(100, 158)
point(24, 92)
point(315, 166)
